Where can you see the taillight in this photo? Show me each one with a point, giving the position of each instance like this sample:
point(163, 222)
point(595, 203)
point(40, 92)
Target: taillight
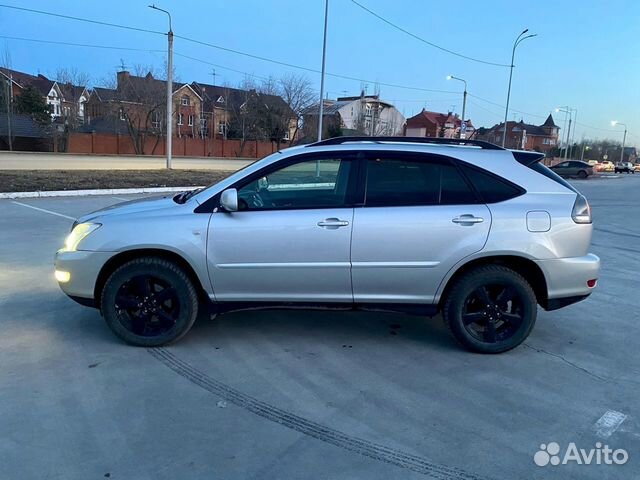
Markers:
point(581, 211)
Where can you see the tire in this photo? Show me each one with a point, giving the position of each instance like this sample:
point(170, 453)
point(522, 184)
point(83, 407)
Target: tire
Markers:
point(465, 311)
point(149, 302)
point(583, 174)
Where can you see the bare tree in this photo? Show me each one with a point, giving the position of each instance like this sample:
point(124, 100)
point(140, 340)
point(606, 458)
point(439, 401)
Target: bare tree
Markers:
point(72, 83)
point(143, 108)
point(297, 92)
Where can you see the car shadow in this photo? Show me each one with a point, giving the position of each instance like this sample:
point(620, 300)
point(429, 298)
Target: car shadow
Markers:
point(338, 327)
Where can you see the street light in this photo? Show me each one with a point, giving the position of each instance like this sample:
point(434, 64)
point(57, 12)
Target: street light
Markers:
point(624, 138)
point(324, 55)
point(169, 87)
point(519, 39)
point(567, 111)
point(573, 135)
point(464, 99)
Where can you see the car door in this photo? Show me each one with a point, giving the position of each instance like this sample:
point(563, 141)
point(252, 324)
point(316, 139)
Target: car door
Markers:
point(562, 168)
point(576, 167)
point(290, 240)
point(420, 217)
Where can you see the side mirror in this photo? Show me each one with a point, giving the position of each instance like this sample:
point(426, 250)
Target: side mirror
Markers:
point(229, 200)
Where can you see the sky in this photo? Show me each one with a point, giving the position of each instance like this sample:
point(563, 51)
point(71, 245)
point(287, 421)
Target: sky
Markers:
point(586, 53)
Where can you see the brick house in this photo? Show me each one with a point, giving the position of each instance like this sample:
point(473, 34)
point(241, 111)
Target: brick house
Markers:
point(73, 103)
point(524, 136)
point(187, 110)
point(216, 101)
point(199, 110)
point(48, 89)
point(136, 102)
point(66, 101)
point(436, 124)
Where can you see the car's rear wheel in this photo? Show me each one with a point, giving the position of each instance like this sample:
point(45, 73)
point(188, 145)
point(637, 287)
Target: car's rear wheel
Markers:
point(490, 309)
point(149, 302)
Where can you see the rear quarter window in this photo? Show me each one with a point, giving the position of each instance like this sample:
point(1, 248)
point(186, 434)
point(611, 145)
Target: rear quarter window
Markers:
point(491, 187)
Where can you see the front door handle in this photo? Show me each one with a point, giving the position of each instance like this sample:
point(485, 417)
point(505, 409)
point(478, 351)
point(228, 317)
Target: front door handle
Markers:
point(467, 219)
point(333, 223)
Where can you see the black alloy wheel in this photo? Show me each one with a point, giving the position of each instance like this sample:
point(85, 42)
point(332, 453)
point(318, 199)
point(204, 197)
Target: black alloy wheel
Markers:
point(149, 302)
point(490, 309)
point(147, 306)
point(492, 313)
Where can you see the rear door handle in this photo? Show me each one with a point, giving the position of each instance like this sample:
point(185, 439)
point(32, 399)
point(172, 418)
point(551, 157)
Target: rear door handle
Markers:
point(467, 219)
point(333, 223)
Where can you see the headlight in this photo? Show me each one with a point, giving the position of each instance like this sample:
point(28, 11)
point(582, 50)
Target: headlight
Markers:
point(79, 232)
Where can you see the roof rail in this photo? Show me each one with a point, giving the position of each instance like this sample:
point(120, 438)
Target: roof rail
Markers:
point(427, 140)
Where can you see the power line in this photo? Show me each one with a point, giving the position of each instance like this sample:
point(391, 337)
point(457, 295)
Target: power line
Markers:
point(79, 19)
point(495, 64)
point(511, 109)
point(499, 115)
point(311, 70)
point(220, 66)
point(70, 44)
point(219, 47)
point(596, 128)
point(112, 47)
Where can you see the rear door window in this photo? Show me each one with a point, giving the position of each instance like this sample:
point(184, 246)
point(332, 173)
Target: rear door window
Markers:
point(417, 180)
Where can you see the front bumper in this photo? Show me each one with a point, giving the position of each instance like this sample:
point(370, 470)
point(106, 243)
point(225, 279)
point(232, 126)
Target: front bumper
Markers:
point(567, 278)
point(83, 268)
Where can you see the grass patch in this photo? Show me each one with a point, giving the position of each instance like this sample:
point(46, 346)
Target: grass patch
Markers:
point(47, 180)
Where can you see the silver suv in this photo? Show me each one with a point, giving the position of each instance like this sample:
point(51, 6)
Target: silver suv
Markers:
point(481, 234)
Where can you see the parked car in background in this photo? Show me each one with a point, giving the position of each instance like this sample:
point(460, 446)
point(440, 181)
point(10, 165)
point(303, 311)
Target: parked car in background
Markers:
point(573, 168)
point(384, 223)
point(605, 166)
point(636, 167)
point(624, 167)
point(593, 163)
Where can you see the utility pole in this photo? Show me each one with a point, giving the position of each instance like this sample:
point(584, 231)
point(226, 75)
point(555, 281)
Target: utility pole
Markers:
point(464, 101)
point(573, 136)
point(324, 55)
point(567, 115)
point(519, 39)
point(624, 138)
point(566, 150)
point(9, 111)
point(169, 88)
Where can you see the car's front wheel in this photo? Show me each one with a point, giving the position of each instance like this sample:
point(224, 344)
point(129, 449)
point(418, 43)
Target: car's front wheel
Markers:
point(490, 309)
point(149, 302)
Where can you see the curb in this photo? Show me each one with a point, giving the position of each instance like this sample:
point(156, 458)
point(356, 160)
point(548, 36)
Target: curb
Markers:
point(99, 191)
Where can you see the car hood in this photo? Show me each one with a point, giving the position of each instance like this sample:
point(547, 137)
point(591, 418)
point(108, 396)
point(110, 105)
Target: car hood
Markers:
point(132, 206)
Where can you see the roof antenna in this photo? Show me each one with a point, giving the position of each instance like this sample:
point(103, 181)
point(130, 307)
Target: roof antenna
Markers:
point(122, 66)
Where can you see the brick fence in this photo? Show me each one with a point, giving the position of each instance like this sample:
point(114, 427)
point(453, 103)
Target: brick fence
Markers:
point(100, 143)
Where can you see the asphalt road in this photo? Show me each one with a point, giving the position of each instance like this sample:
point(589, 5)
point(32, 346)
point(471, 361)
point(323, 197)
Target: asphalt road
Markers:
point(311, 395)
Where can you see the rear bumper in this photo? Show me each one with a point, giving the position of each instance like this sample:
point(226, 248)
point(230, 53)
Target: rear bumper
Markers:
point(567, 279)
point(556, 303)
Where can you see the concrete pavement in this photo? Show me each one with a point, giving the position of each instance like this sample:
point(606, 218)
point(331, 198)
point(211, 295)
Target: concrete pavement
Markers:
point(69, 161)
point(306, 395)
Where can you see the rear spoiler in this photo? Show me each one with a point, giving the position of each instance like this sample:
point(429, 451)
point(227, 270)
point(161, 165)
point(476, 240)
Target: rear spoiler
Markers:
point(527, 158)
